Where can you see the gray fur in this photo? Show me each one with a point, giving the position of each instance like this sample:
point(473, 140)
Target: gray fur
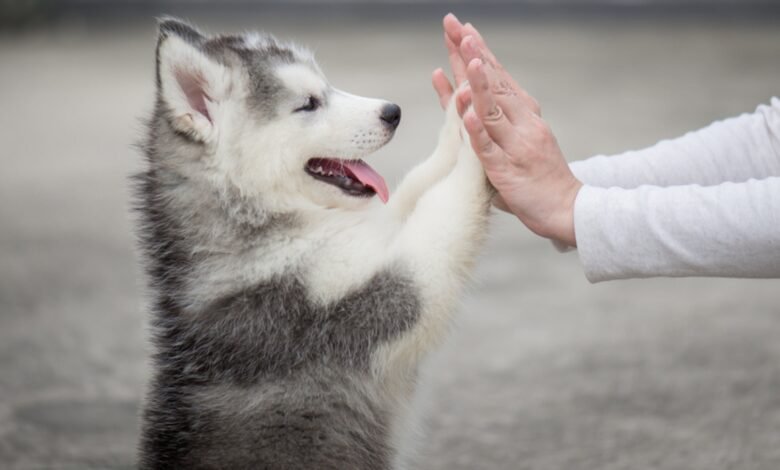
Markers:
point(259, 377)
point(231, 51)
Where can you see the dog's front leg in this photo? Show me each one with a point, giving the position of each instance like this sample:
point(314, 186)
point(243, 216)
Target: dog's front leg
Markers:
point(441, 238)
point(426, 174)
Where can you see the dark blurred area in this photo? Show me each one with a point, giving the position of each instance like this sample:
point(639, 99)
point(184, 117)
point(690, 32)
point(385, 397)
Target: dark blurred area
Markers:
point(18, 14)
point(544, 371)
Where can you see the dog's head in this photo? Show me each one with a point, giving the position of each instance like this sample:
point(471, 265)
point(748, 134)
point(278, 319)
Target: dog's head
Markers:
point(255, 114)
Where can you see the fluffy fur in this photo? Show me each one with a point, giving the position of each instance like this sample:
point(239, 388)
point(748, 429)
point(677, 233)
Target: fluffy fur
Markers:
point(288, 316)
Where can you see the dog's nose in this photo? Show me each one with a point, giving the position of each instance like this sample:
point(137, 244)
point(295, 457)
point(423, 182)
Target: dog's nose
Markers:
point(391, 115)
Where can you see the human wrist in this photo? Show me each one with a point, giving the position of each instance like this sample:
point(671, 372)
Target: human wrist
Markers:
point(564, 233)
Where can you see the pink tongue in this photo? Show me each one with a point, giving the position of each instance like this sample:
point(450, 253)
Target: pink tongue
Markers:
point(369, 177)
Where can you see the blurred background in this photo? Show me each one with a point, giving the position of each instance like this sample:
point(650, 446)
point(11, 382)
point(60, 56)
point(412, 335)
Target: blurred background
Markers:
point(543, 371)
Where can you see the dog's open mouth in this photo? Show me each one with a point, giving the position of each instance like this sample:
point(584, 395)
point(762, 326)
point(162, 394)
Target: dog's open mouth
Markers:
point(354, 177)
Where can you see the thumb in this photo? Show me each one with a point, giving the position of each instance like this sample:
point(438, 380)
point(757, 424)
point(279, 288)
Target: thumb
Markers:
point(442, 86)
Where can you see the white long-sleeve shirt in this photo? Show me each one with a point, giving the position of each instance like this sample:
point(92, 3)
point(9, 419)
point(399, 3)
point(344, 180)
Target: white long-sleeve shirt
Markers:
point(704, 204)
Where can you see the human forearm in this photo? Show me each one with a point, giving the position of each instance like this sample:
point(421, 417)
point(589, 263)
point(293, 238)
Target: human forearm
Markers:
point(728, 230)
point(736, 149)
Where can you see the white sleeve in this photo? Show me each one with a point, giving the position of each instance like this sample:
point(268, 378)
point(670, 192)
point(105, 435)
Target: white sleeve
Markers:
point(728, 230)
point(718, 214)
point(736, 149)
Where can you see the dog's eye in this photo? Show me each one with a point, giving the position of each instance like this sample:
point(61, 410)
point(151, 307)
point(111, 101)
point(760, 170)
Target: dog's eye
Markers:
point(312, 104)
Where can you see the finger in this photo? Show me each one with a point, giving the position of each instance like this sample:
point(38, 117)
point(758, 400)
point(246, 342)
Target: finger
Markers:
point(469, 49)
point(453, 28)
point(489, 153)
point(469, 30)
point(504, 93)
point(457, 64)
point(472, 47)
point(442, 86)
point(487, 109)
point(463, 100)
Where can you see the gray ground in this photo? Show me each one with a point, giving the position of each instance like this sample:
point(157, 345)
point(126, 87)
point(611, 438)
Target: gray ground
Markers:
point(544, 370)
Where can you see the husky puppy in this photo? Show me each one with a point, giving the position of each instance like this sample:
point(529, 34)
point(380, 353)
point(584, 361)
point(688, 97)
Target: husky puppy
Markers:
point(290, 307)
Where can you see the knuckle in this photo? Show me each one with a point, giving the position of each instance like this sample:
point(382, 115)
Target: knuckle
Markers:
point(531, 103)
point(494, 114)
point(540, 128)
point(486, 147)
point(546, 134)
point(502, 88)
point(516, 159)
point(529, 100)
point(535, 107)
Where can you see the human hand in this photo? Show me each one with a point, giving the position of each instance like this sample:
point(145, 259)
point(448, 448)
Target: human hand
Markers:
point(454, 33)
point(518, 151)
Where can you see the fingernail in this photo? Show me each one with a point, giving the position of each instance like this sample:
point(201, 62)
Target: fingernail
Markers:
point(472, 30)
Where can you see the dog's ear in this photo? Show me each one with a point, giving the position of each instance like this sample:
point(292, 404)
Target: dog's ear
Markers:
point(190, 84)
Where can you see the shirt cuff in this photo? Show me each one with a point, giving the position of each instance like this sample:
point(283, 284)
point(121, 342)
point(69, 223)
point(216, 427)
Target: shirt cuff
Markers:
point(595, 247)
